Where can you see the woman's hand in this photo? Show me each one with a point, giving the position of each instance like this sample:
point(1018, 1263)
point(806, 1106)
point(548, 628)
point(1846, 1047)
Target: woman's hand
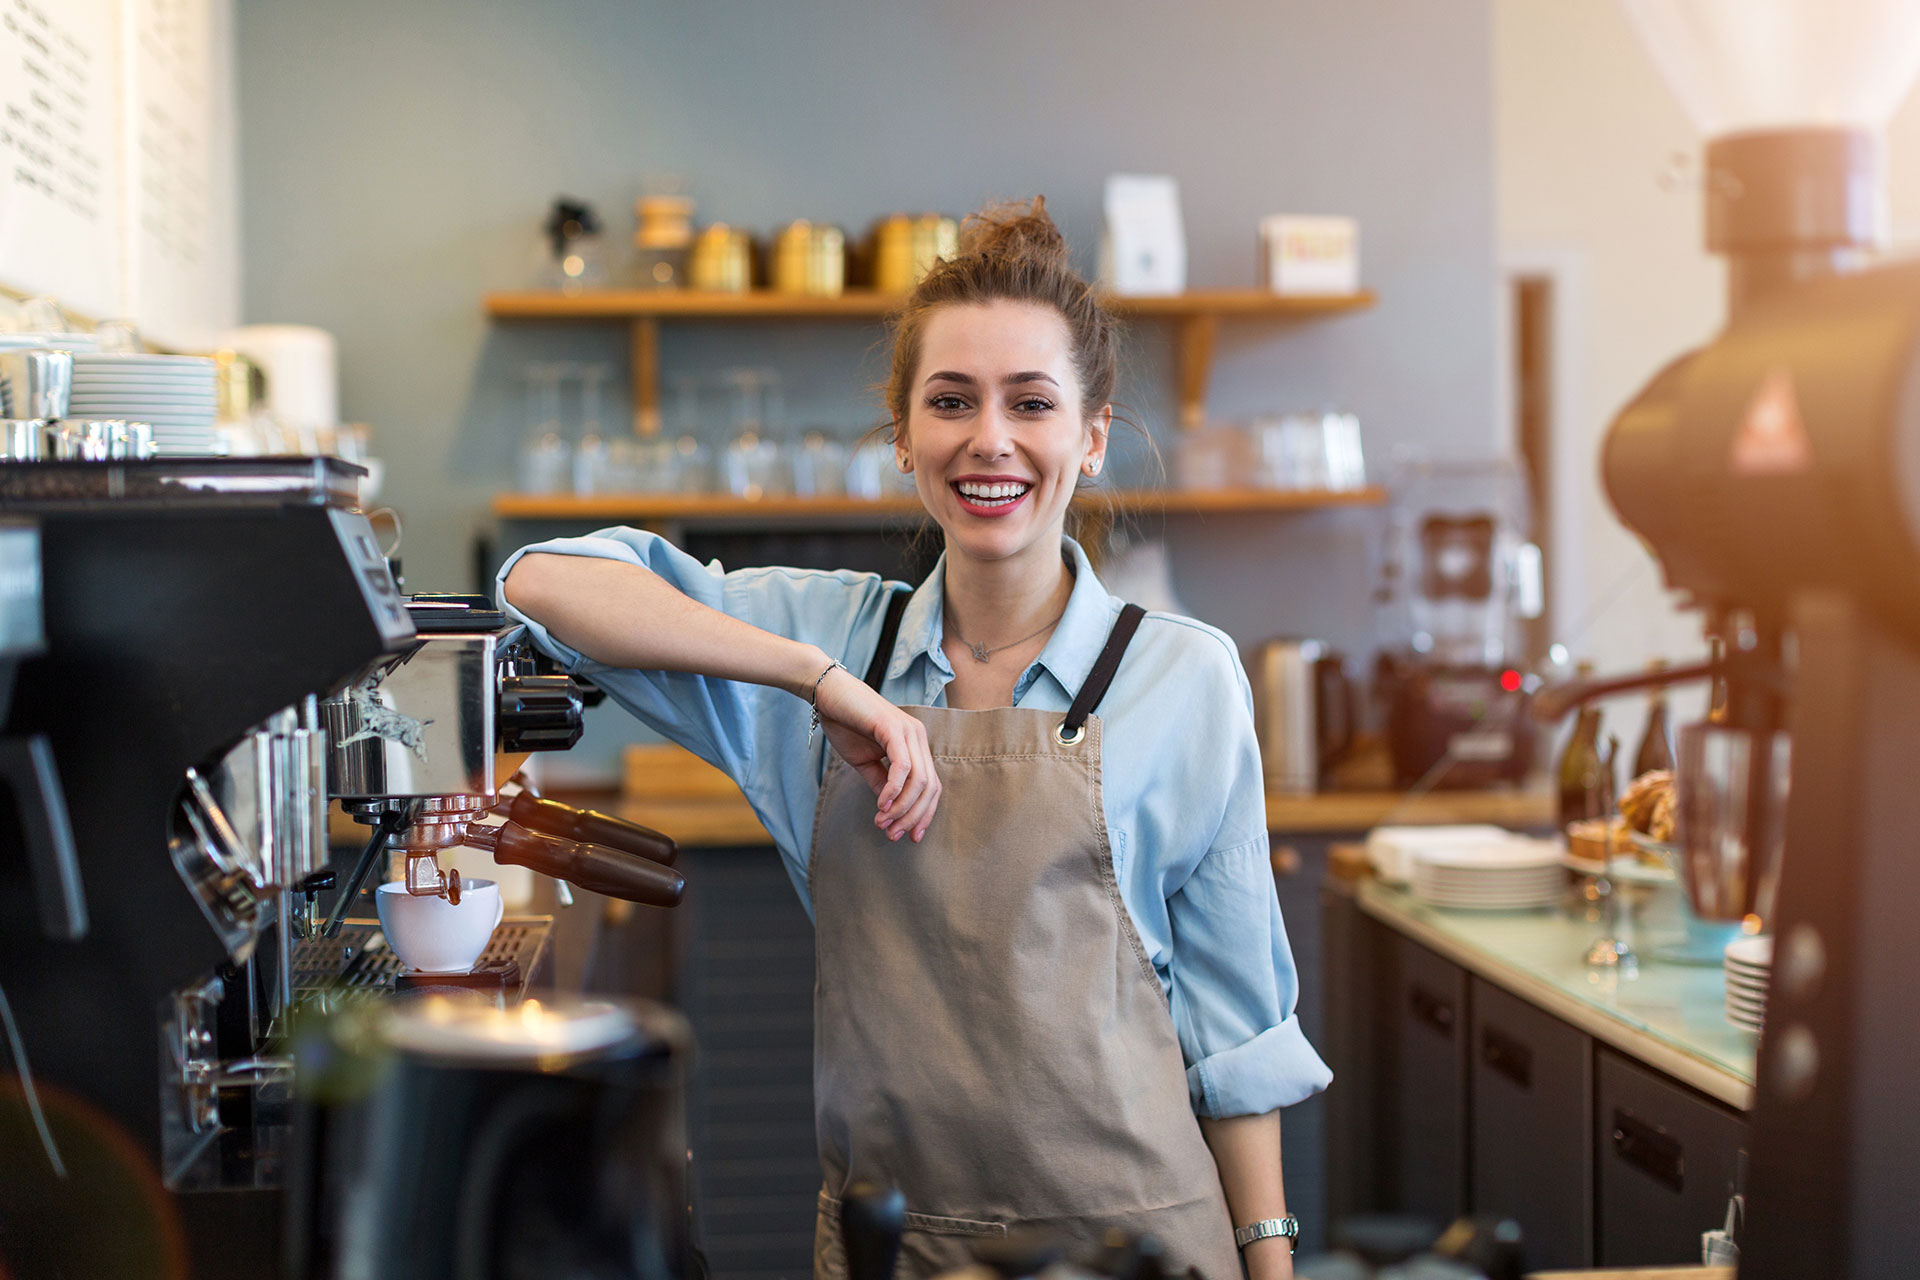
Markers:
point(886, 746)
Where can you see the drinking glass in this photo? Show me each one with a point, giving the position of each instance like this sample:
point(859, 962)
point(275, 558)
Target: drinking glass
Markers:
point(820, 466)
point(1346, 465)
point(590, 456)
point(544, 453)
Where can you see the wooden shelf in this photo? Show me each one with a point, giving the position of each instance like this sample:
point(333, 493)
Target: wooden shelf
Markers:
point(1196, 316)
point(681, 304)
point(647, 508)
point(670, 789)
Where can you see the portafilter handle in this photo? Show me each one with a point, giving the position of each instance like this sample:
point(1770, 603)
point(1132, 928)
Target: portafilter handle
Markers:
point(549, 817)
point(610, 872)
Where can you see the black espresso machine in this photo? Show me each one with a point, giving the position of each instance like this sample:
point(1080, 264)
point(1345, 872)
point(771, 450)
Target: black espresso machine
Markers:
point(225, 652)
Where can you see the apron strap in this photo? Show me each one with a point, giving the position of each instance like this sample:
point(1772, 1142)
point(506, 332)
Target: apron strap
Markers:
point(889, 631)
point(1102, 674)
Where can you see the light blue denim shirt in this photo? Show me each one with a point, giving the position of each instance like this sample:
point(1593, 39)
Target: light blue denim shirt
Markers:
point(1185, 802)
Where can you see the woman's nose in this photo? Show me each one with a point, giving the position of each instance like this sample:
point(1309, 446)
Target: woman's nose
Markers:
point(992, 435)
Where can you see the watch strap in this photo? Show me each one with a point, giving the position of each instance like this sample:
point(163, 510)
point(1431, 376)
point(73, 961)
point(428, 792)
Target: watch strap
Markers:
point(1288, 1226)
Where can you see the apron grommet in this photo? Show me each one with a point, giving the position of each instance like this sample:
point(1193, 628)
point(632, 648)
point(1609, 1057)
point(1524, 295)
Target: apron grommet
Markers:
point(1069, 737)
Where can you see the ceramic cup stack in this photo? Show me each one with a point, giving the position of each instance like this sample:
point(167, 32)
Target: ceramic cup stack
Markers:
point(1511, 874)
point(1749, 966)
point(173, 393)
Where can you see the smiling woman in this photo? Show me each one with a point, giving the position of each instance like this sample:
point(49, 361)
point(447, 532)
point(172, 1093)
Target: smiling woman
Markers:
point(1068, 1001)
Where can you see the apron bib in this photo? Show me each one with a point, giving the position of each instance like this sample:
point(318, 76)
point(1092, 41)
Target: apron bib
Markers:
point(989, 1035)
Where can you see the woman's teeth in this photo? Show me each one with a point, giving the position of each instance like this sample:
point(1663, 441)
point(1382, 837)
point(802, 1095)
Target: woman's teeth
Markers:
point(992, 495)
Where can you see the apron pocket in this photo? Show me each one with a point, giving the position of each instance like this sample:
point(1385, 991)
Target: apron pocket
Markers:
point(931, 1244)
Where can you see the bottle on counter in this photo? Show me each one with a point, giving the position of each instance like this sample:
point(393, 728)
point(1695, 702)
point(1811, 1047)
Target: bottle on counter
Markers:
point(1656, 741)
point(1581, 774)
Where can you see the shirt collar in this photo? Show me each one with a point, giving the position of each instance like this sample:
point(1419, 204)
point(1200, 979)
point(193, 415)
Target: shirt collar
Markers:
point(1070, 652)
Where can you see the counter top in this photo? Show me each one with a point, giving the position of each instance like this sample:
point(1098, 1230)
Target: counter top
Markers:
point(1671, 1017)
point(670, 789)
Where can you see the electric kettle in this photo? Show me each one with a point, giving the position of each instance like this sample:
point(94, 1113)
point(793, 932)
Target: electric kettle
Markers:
point(1303, 711)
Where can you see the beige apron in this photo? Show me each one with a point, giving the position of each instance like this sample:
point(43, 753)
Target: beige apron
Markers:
point(989, 1035)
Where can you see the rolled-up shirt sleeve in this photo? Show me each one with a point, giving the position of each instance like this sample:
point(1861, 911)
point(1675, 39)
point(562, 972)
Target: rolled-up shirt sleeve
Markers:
point(1234, 989)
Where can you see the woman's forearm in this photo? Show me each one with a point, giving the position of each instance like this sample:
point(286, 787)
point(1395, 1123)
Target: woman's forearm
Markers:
point(1246, 1149)
point(624, 615)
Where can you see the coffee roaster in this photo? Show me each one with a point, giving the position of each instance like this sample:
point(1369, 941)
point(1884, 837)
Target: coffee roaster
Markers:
point(225, 653)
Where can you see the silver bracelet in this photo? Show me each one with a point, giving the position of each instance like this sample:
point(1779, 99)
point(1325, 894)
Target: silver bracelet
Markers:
point(813, 697)
point(1288, 1226)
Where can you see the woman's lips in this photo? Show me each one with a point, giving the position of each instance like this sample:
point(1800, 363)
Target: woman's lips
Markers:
point(1001, 503)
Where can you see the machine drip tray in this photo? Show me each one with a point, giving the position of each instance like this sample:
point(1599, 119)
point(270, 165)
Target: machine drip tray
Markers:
point(360, 960)
point(485, 976)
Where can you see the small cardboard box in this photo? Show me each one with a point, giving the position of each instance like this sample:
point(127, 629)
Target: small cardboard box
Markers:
point(1309, 255)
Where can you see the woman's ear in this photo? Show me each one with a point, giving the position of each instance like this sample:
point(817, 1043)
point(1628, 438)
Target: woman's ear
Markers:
point(1099, 427)
point(902, 456)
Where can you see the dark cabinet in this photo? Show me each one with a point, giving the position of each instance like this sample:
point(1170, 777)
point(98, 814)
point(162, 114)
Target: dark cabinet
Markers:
point(1668, 1161)
point(1425, 1079)
point(1530, 1131)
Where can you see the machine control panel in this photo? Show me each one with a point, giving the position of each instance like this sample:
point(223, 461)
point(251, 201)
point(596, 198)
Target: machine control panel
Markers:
point(384, 601)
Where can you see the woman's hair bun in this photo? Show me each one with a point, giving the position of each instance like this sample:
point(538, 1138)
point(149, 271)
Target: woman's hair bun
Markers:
point(1018, 231)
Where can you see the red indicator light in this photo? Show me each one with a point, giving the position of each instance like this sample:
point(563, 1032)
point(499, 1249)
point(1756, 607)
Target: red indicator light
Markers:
point(1510, 681)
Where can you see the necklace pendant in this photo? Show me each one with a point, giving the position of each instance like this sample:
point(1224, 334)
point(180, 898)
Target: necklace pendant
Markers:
point(980, 652)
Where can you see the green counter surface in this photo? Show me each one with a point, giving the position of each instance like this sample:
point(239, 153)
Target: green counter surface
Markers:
point(1671, 1016)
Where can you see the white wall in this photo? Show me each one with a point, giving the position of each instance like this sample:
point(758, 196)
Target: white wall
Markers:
point(1585, 132)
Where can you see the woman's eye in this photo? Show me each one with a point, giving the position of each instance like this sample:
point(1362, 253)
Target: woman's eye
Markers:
point(1034, 404)
point(946, 403)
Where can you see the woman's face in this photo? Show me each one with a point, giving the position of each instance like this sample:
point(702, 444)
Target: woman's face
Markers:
point(996, 436)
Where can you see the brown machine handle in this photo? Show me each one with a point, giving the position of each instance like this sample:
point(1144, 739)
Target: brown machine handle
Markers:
point(552, 818)
point(611, 872)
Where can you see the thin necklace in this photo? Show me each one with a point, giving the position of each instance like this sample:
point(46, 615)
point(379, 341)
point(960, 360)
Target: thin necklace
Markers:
point(981, 653)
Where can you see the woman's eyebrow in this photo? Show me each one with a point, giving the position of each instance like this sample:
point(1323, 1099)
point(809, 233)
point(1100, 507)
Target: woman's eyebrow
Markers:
point(1011, 380)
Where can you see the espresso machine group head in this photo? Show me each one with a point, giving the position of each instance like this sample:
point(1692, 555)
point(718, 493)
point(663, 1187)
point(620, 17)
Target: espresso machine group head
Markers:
point(424, 747)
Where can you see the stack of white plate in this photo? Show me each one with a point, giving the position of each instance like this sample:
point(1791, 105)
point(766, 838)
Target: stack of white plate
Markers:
point(55, 341)
point(1748, 965)
point(1513, 874)
point(173, 393)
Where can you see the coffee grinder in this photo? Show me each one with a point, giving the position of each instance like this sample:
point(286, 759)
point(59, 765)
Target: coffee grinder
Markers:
point(1775, 473)
point(1456, 575)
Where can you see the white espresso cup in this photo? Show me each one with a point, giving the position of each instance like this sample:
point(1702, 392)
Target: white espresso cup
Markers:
point(430, 934)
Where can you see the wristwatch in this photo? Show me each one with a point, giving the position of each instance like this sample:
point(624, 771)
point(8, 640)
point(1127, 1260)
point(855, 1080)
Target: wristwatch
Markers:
point(1288, 1226)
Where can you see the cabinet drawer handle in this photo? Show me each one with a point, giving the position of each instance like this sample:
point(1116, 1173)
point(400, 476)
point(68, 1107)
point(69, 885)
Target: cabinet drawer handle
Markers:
point(1507, 1056)
point(1650, 1149)
point(1435, 1011)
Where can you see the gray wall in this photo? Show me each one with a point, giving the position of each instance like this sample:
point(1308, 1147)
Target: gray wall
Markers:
point(397, 157)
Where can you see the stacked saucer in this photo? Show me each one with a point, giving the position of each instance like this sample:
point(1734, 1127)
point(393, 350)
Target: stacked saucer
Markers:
point(173, 393)
point(1512, 874)
point(1749, 965)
